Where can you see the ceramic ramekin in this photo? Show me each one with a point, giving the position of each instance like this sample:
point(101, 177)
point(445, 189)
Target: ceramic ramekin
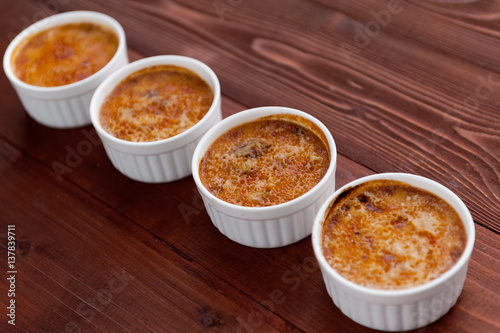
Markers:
point(64, 106)
point(164, 160)
point(404, 309)
point(272, 226)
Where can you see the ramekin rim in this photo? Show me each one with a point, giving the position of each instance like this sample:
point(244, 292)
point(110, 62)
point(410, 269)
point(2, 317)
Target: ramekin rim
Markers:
point(388, 294)
point(245, 209)
point(134, 66)
point(52, 21)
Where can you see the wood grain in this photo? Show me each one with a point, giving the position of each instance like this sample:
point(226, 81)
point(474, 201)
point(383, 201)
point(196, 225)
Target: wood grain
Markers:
point(97, 251)
point(414, 108)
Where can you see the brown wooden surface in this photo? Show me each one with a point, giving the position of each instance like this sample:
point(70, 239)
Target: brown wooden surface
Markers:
point(98, 252)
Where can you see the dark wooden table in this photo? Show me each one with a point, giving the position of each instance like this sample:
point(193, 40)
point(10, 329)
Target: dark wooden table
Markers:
point(403, 86)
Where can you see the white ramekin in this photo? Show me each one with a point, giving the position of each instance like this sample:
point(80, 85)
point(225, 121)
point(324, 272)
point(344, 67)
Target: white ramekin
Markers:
point(164, 160)
point(405, 309)
point(272, 226)
point(64, 106)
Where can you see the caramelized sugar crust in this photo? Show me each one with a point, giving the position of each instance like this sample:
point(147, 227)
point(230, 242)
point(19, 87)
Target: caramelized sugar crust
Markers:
point(264, 163)
point(64, 54)
point(387, 234)
point(155, 103)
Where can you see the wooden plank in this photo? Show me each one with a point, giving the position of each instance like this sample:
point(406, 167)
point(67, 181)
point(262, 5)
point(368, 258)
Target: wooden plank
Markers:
point(105, 241)
point(420, 111)
point(88, 229)
point(130, 280)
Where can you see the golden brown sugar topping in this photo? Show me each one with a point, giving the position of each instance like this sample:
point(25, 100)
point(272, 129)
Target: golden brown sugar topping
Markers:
point(155, 103)
point(386, 234)
point(64, 54)
point(264, 163)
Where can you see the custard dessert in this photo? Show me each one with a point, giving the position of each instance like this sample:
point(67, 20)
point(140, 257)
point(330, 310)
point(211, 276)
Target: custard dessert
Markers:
point(386, 234)
point(265, 162)
point(155, 103)
point(64, 54)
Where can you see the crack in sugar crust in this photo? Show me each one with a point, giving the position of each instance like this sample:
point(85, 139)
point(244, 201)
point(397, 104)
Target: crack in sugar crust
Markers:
point(389, 235)
point(264, 162)
point(155, 103)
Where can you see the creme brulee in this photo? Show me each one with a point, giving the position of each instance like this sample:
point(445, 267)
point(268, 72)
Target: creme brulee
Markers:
point(264, 162)
point(64, 54)
point(155, 103)
point(387, 234)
